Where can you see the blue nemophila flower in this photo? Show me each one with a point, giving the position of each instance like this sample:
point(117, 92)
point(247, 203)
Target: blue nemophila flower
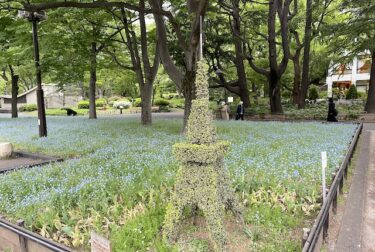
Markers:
point(110, 156)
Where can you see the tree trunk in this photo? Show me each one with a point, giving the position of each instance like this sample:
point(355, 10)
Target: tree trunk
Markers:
point(274, 93)
point(189, 94)
point(297, 78)
point(274, 78)
point(242, 83)
point(92, 86)
point(15, 79)
point(306, 56)
point(370, 104)
point(146, 96)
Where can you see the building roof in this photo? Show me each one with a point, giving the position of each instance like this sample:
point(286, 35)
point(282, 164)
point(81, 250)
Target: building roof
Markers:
point(25, 93)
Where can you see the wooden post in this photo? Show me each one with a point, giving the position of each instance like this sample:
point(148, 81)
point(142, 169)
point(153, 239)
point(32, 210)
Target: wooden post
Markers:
point(325, 227)
point(341, 185)
point(324, 167)
point(334, 203)
point(23, 240)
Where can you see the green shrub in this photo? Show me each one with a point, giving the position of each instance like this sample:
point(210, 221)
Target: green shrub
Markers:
point(352, 93)
point(177, 103)
point(286, 94)
point(163, 108)
point(83, 104)
point(28, 107)
point(100, 102)
point(137, 102)
point(161, 102)
point(313, 93)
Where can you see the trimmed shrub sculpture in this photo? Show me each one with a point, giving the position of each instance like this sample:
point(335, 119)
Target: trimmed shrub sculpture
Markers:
point(352, 93)
point(202, 180)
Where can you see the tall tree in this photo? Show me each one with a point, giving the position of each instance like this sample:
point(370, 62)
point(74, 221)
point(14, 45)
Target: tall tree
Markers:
point(357, 38)
point(187, 32)
point(306, 54)
point(232, 11)
point(14, 54)
point(280, 9)
point(139, 56)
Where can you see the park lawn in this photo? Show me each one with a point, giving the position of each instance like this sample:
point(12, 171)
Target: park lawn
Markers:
point(120, 176)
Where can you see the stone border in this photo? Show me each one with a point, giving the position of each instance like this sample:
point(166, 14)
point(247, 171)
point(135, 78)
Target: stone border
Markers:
point(45, 160)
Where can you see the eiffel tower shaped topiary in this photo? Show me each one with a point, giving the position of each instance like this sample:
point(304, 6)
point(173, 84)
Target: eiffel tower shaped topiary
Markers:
point(202, 180)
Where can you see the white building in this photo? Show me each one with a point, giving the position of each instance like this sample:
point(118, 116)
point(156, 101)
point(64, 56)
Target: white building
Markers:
point(357, 73)
point(53, 98)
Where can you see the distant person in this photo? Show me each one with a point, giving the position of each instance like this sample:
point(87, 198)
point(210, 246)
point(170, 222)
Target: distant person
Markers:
point(240, 111)
point(332, 112)
point(224, 109)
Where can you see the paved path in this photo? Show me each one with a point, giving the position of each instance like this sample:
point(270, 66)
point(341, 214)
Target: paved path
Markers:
point(135, 115)
point(357, 231)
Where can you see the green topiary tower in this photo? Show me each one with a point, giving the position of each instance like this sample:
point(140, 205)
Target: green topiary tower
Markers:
point(202, 179)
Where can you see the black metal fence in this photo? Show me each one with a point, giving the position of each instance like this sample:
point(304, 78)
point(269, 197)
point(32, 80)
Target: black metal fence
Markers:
point(322, 222)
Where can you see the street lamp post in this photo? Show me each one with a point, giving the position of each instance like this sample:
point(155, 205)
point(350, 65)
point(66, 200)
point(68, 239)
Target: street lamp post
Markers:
point(34, 18)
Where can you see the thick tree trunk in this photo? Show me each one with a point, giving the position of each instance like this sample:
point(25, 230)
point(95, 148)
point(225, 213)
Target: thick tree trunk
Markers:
point(306, 56)
point(273, 78)
point(297, 78)
point(15, 79)
point(189, 94)
point(146, 96)
point(236, 30)
point(92, 86)
point(274, 93)
point(370, 104)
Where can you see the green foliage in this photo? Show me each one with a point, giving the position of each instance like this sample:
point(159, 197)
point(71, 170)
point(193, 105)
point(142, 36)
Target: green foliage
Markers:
point(100, 102)
point(140, 234)
point(28, 108)
point(313, 93)
point(161, 102)
point(62, 112)
point(177, 103)
point(202, 180)
point(137, 102)
point(352, 93)
point(83, 104)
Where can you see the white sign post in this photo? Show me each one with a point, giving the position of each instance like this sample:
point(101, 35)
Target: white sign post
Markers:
point(230, 99)
point(324, 167)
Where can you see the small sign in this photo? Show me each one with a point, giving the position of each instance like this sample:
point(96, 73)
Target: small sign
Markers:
point(99, 243)
point(230, 99)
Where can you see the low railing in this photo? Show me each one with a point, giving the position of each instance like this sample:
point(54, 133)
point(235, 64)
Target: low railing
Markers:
point(322, 222)
point(17, 238)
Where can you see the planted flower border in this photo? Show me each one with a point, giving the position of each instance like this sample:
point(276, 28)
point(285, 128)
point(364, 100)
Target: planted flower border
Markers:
point(124, 175)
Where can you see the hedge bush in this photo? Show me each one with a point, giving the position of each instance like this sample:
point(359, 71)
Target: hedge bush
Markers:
point(161, 102)
point(83, 104)
point(313, 93)
point(352, 93)
point(100, 102)
point(137, 102)
point(28, 108)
